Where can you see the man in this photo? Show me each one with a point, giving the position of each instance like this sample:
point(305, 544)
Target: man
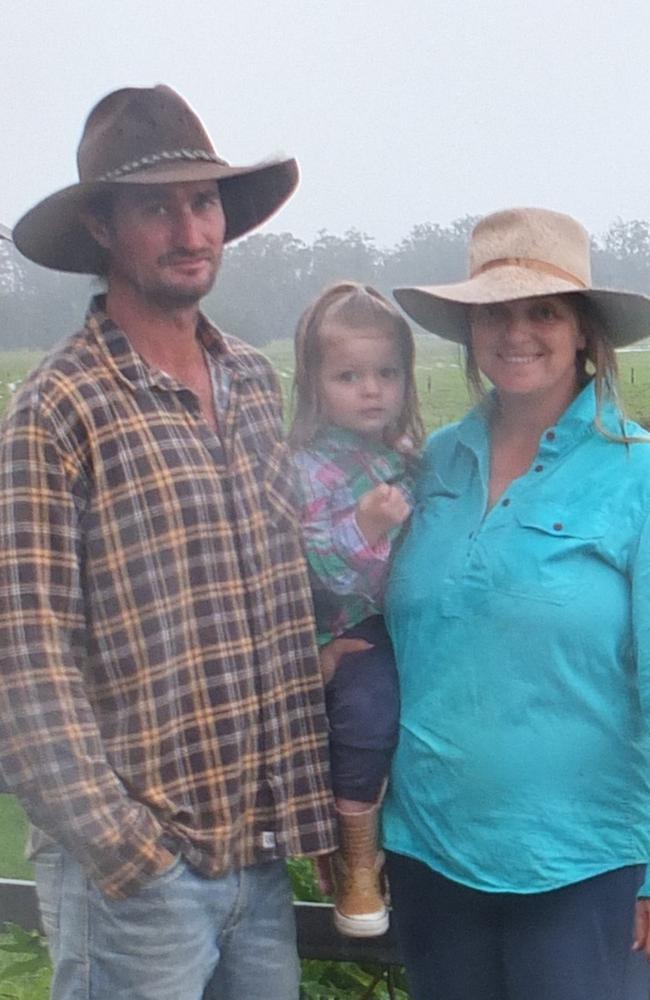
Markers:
point(161, 713)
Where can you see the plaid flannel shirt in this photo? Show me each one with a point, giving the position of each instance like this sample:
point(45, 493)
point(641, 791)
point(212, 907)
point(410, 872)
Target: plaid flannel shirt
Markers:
point(348, 575)
point(160, 681)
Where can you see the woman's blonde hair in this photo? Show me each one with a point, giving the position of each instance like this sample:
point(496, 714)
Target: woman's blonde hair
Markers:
point(597, 359)
point(352, 305)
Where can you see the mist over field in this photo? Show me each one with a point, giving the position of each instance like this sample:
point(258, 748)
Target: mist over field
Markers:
point(267, 279)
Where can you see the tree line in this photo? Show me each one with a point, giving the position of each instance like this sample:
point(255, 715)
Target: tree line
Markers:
point(267, 279)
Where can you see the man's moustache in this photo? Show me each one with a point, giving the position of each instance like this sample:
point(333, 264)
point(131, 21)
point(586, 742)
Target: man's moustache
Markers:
point(180, 256)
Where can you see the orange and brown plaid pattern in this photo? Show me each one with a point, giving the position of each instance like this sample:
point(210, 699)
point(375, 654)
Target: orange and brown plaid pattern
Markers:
point(160, 682)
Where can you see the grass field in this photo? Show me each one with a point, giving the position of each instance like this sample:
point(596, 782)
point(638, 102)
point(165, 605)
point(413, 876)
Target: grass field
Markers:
point(441, 382)
point(14, 365)
point(443, 397)
point(439, 374)
point(13, 830)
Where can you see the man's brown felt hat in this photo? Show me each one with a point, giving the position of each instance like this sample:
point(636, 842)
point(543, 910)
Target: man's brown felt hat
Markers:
point(146, 135)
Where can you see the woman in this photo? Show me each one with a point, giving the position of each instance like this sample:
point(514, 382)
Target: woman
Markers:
point(518, 815)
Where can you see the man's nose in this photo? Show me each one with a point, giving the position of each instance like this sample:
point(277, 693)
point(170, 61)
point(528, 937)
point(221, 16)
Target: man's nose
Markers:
point(187, 229)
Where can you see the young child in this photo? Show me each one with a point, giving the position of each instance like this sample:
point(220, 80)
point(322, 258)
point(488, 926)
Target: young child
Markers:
point(355, 432)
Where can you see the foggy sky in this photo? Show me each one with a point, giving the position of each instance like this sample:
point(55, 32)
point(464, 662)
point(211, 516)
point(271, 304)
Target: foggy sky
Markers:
point(399, 111)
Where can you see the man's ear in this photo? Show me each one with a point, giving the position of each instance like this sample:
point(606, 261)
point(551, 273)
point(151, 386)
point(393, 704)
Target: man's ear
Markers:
point(98, 228)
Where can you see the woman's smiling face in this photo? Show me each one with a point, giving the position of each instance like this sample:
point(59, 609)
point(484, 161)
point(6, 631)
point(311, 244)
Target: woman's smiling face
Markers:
point(529, 346)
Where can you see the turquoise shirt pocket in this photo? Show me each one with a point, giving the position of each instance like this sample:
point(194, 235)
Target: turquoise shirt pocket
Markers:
point(545, 563)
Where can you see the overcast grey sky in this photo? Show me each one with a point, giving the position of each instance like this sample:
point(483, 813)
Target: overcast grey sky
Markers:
point(399, 111)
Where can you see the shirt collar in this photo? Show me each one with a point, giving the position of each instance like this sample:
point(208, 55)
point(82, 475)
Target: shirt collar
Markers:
point(339, 439)
point(132, 366)
point(576, 422)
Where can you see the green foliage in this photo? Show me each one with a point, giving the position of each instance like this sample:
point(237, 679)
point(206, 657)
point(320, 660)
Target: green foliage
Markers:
point(13, 833)
point(303, 881)
point(347, 981)
point(24, 965)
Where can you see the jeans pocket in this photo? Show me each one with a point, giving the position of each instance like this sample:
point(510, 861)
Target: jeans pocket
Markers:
point(166, 875)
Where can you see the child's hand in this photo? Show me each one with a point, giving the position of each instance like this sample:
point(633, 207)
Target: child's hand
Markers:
point(379, 510)
point(404, 445)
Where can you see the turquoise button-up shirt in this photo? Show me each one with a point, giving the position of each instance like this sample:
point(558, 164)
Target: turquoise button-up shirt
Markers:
point(522, 638)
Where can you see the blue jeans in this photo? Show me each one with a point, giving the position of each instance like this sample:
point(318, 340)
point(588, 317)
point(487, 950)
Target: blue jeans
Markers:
point(182, 937)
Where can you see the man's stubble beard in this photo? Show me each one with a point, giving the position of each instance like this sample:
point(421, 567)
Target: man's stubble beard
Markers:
point(167, 296)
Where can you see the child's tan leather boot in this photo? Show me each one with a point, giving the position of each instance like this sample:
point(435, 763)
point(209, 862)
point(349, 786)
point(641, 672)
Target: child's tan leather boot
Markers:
point(360, 910)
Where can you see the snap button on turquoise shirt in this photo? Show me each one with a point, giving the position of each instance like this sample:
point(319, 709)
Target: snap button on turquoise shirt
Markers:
point(522, 639)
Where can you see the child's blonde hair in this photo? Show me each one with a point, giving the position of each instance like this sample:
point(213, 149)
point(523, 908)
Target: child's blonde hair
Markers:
point(352, 305)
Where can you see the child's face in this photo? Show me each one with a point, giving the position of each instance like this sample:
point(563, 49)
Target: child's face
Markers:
point(362, 380)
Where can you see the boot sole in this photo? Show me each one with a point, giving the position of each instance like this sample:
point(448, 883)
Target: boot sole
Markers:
point(368, 925)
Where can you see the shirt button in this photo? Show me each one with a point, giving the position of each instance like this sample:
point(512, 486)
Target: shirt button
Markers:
point(506, 502)
point(550, 435)
point(539, 468)
point(558, 526)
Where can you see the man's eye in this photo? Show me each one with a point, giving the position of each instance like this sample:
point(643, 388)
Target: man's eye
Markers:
point(389, 373)
point(208, 200)
point(347, 376)
point(154, 208)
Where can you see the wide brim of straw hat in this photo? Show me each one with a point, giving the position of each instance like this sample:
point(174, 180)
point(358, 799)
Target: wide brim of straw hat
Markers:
point(53, 235)
point(5, 233)
point(443, 309)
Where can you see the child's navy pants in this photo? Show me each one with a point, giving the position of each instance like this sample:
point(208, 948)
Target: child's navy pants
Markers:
point(362, 702)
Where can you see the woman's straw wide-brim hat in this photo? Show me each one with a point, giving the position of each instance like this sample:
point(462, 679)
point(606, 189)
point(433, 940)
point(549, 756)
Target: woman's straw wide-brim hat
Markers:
point(5, 234)
point(521, 253)
point(146, 135)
